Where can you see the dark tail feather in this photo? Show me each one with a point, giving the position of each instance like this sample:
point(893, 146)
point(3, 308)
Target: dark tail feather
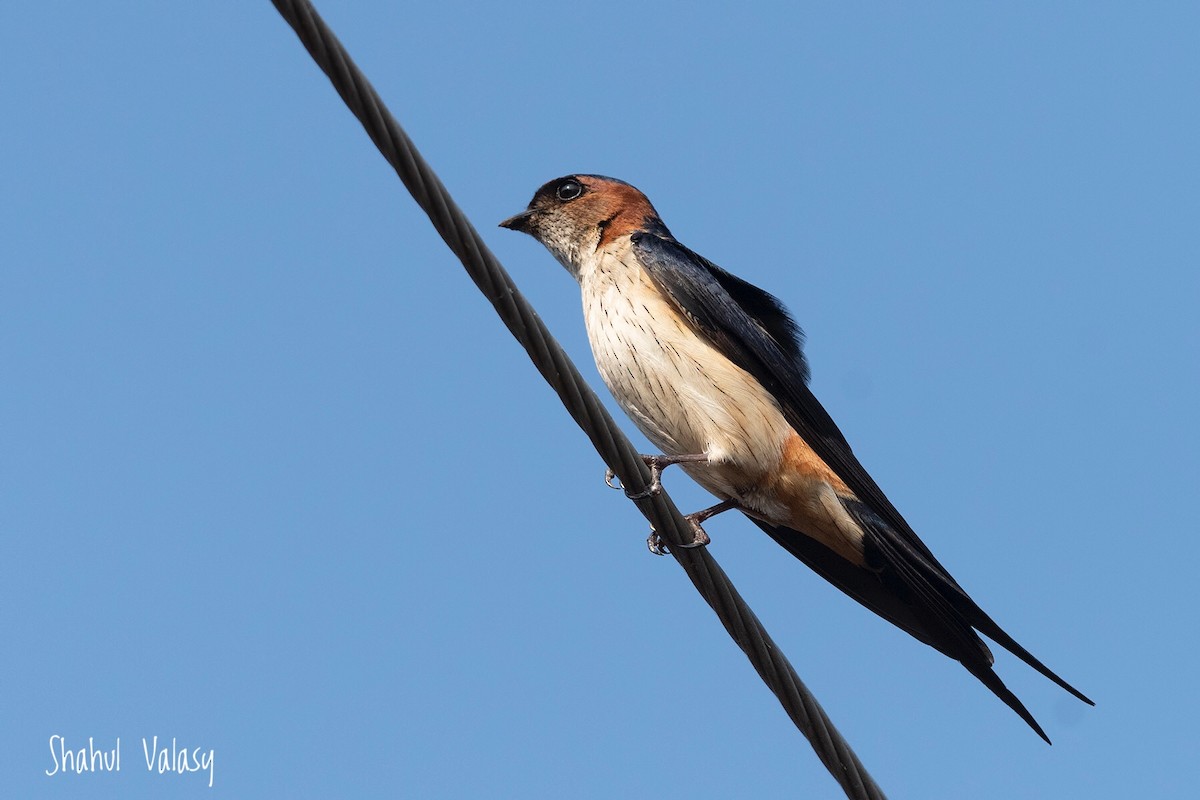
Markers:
point(992, 681)
point(919, 570)
point(856, 582)
point(932, 624)
point(985, 625)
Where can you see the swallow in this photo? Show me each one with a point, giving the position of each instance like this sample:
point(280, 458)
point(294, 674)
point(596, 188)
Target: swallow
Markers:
point(712, 370)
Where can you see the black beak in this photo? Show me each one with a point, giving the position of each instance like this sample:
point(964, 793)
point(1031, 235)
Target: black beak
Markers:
point(522, 222)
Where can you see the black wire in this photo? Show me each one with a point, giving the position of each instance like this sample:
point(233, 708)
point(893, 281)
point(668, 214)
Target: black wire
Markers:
point(710, 580)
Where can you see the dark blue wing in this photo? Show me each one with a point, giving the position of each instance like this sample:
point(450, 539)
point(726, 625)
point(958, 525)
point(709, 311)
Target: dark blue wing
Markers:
point(753, 330)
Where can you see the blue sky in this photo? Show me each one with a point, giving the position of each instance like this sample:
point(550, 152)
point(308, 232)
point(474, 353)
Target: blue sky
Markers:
point(277, 484)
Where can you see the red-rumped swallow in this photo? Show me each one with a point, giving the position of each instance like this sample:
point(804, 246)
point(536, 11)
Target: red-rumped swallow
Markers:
point(711, 369)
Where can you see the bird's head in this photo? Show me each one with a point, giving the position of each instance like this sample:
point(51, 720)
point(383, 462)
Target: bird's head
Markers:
point(577, 215)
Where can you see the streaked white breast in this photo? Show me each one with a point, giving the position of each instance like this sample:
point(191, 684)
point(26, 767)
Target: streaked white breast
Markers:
point(679, 390)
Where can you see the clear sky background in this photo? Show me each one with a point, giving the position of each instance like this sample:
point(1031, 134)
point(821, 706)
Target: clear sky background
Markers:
point(274, 480)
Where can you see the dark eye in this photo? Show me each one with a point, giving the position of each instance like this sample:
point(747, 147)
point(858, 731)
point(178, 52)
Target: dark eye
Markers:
point(568, 190)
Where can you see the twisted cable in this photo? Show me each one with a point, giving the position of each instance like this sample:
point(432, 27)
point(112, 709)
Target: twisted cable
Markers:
point(578, 398)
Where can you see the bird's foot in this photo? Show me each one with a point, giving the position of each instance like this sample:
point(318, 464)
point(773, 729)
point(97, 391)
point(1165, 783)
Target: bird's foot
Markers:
point(657, 546)
point(699, 537)
point(656, 464)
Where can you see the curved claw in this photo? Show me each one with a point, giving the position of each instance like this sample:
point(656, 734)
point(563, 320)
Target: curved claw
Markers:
point(657, 546)
point(609, 477)
point(654, 488)
point(655, 543)
point(701, 540)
